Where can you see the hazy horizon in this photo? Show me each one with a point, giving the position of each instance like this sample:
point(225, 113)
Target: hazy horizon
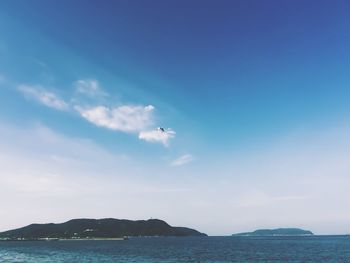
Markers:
point(222, 116)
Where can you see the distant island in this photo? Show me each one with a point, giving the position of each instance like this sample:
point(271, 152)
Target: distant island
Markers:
point(277, 232)
point(107, 228)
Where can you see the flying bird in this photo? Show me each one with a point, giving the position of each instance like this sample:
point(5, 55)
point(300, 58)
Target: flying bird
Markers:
point(161, 129)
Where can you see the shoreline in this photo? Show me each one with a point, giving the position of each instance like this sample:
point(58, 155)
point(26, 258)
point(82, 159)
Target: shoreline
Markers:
point(93, 239)
point(66, 239)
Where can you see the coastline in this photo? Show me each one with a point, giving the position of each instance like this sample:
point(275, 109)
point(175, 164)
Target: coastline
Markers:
point(93, 239)
point(66, 239)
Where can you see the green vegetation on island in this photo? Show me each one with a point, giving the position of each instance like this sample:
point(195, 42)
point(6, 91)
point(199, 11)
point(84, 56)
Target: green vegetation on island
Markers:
point(108, 228)
point(277, 232)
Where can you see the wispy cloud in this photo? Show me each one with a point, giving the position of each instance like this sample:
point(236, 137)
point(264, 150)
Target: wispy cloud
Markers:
point(157, 136)
point(182, 160)
point(55, 169)
point(2, 79)
point(89, 87)
point(261, 199)
point(126, 118)
point(47, 98)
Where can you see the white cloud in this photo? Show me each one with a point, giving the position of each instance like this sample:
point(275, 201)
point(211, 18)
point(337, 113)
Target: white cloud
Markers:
point(126, 118)
point(182, 160)
point(47, 98)
point(157, 136)
point(89, 87)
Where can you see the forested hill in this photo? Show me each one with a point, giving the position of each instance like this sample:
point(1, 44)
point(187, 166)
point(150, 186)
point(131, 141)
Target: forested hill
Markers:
point(99, 228)
point(277, 232)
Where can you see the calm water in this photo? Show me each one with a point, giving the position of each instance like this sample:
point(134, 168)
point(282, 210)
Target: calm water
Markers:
point(207, 249)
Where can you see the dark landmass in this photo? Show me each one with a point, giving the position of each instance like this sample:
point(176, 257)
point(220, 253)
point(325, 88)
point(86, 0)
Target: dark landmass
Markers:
point(97, 229)
point(277, 232)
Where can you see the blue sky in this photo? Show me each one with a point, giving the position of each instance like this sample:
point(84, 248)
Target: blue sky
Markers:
point(253, 96)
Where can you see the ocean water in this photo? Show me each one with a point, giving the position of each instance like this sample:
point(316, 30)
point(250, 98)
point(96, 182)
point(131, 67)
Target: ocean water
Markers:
point(182, 249)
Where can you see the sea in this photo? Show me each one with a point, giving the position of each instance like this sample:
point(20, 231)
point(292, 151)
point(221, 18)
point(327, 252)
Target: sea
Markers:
point(182, 249)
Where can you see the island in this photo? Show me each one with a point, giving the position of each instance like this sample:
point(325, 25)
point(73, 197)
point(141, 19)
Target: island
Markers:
point(97, 229)
point(277, 232)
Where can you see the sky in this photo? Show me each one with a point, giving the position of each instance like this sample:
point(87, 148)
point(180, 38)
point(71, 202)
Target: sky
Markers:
point(253, 97)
